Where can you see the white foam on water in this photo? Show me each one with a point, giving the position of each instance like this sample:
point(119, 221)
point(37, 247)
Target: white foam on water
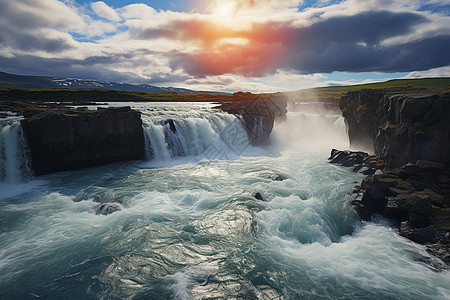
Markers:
point(181, 284)
point(374, 258)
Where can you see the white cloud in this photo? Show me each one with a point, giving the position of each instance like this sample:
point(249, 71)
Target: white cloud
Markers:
point(45, 29)
point(105, 11)
point(437, 72)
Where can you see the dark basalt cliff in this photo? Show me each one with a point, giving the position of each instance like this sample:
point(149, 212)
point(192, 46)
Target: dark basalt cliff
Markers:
point(409, 131)
point(401, 126)
point(258, 113)
point(66, 139)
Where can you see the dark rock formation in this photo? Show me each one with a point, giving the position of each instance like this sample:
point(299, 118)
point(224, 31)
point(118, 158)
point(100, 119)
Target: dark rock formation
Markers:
point(258, 196)
point(258, 113)
point(107, 208)
point(401, 126)
point(417, 197)
point(359, 161)
point(67, 139)
point(409, 131)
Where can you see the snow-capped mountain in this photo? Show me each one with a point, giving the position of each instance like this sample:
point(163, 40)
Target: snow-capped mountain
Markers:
point(21, 81)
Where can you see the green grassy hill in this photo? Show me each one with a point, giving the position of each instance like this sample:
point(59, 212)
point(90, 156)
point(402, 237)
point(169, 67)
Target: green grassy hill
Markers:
point(428, 83)
point(333, 93)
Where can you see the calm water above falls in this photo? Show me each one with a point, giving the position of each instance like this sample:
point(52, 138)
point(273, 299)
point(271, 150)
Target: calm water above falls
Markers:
point(190, 227)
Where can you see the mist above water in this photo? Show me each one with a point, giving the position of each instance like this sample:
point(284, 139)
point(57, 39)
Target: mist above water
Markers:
point(311, 124)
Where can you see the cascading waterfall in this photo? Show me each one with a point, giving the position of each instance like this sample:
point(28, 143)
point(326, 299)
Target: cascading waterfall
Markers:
point(14, 156)
point(323, 131)
point(205, 135)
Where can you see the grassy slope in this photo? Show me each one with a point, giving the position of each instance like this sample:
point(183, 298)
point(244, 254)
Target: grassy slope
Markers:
point(336, 92)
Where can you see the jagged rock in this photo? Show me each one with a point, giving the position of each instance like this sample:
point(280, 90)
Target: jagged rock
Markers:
point(374, 200)
point(424, 235)
point(258, 113)
point(360, 161)
point(107, 208)
point(441, 251)
point(409, 131)
point(258, 196)
point(401, 126)
point(68, 139)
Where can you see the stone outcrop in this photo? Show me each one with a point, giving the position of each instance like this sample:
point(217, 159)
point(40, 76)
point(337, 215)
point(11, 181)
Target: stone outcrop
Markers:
point(415, 196)
point(359, 161)
point(67, 139)
point(258, 113)
point(400, 126)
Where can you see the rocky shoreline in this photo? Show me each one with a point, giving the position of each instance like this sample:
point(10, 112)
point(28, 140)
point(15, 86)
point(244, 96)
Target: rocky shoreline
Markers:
point(415, 196)
point(409, 175)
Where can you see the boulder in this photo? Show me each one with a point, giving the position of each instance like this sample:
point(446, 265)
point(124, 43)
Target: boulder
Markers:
point(424, 235)
point(359, 161)
point(107, 208)
point(374, 200)
point(258, 196)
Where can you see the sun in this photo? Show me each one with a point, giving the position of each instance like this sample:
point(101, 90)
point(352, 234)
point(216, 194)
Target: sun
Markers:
point(223, 10)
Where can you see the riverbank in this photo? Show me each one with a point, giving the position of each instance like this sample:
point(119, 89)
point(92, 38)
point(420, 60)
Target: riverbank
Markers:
point(409, 173)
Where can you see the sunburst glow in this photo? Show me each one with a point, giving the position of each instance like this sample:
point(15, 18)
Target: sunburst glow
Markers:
point(223, 10)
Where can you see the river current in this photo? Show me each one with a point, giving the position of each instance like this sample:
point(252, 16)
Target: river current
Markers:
point(191, 227)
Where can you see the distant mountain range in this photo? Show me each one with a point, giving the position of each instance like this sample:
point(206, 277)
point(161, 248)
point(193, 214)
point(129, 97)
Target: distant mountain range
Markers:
point(39, 82)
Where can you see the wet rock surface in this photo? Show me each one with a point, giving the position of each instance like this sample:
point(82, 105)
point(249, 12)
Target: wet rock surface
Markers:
point(107, 208)
point(409, 131)
point(359, 161)
point(415, 196)
point(258, 113)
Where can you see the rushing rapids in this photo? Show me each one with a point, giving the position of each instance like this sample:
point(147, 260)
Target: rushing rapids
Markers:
point(187, 224)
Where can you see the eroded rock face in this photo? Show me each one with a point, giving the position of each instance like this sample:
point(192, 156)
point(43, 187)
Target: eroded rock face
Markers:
point(400, 126)
point(68, 139)
point(258, 113)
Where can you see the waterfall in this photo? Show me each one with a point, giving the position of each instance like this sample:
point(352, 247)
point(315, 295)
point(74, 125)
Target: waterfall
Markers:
point(212, 136)
point(316, 130)
point(15, 163)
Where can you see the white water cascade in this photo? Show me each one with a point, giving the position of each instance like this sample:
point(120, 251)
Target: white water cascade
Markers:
point(199, 133)
point(14, 156)
point(325, 131)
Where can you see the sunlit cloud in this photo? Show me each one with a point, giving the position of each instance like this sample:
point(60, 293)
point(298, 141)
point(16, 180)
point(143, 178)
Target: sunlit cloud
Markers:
point(224, 44)
point(104, 11)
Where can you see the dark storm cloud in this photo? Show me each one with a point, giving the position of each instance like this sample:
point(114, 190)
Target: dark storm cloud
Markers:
point(346, 43)
point(354, 44)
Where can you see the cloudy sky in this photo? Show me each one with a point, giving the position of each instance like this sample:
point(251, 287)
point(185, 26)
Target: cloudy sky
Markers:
point(227, 45)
